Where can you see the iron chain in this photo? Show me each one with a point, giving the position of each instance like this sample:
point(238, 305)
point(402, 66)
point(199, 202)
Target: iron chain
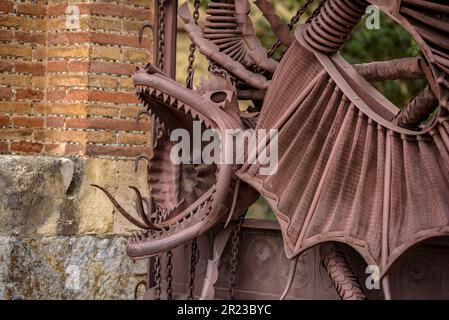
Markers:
point(161, 34)
point(293, 21)
point(190, 69)
point(160, 64)
point(316, 11)
point(157, 263)
point(235, 252)
point(219, 71)
point(193, 261)
point(169, 275)
point(157, 278)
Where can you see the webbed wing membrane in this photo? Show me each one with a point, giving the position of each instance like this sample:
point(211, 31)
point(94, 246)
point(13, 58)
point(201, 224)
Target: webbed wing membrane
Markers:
point(346, 173)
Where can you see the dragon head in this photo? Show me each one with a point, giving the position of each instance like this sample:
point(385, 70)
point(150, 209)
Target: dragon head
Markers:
point(186, 198)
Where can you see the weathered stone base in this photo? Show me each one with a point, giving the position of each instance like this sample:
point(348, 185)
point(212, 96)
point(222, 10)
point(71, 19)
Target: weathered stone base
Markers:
point(60, 238)
point(84, 267)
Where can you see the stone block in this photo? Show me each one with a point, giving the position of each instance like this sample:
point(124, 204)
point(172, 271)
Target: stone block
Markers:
point(32, 193)
point(85, 267)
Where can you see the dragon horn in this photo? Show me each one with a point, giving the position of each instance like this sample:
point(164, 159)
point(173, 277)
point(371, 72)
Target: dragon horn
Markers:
point(120, 209)
point(141, 210)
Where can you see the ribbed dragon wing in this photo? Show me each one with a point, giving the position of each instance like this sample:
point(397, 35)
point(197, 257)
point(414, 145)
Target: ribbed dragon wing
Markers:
point(346, 171)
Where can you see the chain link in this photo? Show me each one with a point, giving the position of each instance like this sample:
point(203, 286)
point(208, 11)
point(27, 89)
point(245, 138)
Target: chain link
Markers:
point(316, 11)
point(157, 262)
point(192, 49)
point(235, 252)
point(219, 71)
point(169, 275)
point(157, 278)
point(193, 261)
point(293, 21)
point(313, 15)
point(157, 259)
point(161, 34)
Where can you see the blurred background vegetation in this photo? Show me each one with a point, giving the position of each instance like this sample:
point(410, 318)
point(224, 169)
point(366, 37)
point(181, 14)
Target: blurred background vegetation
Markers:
point(390, 41)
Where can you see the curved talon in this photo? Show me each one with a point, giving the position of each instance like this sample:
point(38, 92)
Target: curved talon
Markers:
point(234, 202)
point(136, 161)
point(139, 206)
point(386, 287)
point(149, 205)
point(120, 209)
point(141, 211)
point(146, 24)
point(291, 276)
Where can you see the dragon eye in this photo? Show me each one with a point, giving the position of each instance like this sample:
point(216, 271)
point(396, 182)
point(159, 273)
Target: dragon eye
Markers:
point(218, 96)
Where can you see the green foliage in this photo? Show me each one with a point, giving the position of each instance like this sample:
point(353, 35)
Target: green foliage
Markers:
point(391, 41)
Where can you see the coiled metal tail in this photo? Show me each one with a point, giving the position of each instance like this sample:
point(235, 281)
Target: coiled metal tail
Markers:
point(329, 30)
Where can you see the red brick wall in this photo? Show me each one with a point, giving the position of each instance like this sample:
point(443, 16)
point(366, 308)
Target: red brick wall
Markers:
point(69, 91)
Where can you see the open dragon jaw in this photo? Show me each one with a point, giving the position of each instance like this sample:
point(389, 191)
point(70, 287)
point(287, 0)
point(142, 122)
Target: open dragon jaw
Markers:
point(352, 167)
point(185, 199)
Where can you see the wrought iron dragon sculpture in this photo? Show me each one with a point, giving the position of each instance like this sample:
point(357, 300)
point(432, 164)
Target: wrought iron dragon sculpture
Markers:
point(353, 168)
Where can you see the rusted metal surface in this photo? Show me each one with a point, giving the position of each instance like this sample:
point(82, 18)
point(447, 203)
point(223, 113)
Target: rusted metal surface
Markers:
point(352, 168)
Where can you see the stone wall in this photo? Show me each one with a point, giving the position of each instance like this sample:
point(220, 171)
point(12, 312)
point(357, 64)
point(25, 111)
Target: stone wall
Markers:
point(67, 120)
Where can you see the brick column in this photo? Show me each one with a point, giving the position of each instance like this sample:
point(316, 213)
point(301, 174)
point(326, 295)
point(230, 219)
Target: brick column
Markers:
point(69, 91)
